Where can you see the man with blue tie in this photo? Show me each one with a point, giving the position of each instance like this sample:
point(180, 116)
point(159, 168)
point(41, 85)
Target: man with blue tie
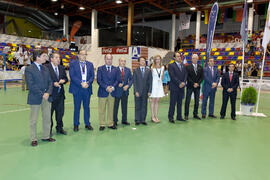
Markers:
point(211, 80)
point(178, 75)
point(82, 75)
point(122, 91)
point(230, 83)
point(40, 87)
point(107, 80)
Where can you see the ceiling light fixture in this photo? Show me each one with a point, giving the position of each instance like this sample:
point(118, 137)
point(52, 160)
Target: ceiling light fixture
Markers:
point(192, 8)
point(55, 13)
point(54, 0)
point(82, 8)
point(249, 1)
point(118, 1)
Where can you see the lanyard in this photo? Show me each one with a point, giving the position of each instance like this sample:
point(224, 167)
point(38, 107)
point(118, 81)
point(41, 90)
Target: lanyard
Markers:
point(159, 73)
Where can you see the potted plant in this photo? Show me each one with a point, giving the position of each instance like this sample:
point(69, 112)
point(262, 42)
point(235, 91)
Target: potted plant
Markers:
point(248, 100)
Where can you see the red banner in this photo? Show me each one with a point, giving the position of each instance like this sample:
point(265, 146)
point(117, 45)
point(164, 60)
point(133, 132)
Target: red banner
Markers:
point(115, 50)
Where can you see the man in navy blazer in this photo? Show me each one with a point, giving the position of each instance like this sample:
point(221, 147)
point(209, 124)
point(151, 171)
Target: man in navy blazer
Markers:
point(59, 78)
point(230, 83)
point(82, 75)
point(40, 88)
point(211, 80)
point(122, 91)
point(107, 79)
point(178, 75)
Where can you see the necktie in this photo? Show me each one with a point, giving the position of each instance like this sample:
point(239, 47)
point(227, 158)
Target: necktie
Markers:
point(40, 68)
point(108, 69)
point(83, 67)
point(122, 74)
point(230, 77)
point(143, 72)
point(212, 71)
point(195, 68)
point(56, 72)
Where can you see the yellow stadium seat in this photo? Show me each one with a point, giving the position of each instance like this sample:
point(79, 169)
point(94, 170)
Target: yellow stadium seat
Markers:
point(219, 67)
point(28, 46)
point(257, 53)
point(180, 50)
point(56, 49)
point(67, 56)
point(186, 53)
point(234, 62)
point(216, 53)
point(73, 53)
point(204, 57)
point(214, 49)
point(231, 53)
point(219, 58)
point(239, 57)
point(172, 61)
point(227, 49)
point(64, 60)
point(249, 62)
point(14, 45)
point(203, 54)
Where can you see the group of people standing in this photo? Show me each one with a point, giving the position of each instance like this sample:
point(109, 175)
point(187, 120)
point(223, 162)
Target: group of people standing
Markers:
point(46, 90)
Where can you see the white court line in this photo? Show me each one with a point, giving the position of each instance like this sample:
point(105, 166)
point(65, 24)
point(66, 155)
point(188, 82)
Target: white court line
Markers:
point(25, 109)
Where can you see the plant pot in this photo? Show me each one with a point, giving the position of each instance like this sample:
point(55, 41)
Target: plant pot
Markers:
point(247, 109)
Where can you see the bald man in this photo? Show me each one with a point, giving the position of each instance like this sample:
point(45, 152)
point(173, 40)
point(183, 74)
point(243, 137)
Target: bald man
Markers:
point(194, 80)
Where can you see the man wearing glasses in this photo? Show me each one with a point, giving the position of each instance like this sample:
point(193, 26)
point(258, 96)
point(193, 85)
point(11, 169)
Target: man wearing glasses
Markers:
point(81, 78)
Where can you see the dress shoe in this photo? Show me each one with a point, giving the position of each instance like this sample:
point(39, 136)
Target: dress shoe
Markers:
point(203, 116)
point(197, 117)
point(221, 117)
point(90, 128)
point(49, 140)
point(144, 123)
point(233, 118)
point(126, 123)
point(171, 120)
point(113, 127)
point(115, 124)
point(34, 143)
point(62, 131)
point(181, 119)
point(186, 118)
point(212, 116)
point(76, 128)
point(137, 123)
point(101, 128)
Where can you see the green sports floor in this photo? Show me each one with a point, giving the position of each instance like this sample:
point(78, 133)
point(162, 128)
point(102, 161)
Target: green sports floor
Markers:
point(210, 149)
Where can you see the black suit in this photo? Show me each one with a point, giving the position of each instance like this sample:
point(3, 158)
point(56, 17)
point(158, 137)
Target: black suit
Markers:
point(143, 85)
point(58, 96)
point(193, 76)
point(226, 84)
point(177, 94)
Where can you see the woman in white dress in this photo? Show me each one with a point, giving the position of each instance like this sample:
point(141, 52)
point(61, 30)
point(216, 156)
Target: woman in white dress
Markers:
point(157, 87)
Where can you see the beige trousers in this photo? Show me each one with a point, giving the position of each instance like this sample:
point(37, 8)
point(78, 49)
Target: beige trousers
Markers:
point(46, 119)
point(103, 105)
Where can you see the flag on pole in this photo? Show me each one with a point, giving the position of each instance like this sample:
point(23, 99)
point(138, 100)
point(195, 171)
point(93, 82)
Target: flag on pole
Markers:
point(211, 29)
point(206, 17)
point(244, 25)
point(266, 34)
point(184, 21)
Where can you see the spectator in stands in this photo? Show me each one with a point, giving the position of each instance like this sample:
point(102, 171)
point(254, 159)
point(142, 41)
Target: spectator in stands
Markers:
point(107, 80)
point(230, 83)
point(81, 79)
point(211, 80)
point(20, 60)
point(254, 70)
point(166, 79)
point(268, 50)
point(238, 67)
point(224, 68)
point(40, 87)
point(27, 56)
point(194, 79)
point(24, 85)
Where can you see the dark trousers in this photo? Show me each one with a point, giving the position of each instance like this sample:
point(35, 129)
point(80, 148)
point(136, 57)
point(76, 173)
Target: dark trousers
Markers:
point(141, 108)
point(176, 97)
point(124, 101)
point(196, 91)
point(82, 96)
point(208, 94)
point(225, 99)
point(58, 106)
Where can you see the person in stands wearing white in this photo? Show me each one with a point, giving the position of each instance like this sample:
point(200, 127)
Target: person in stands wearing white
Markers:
point(157, 87)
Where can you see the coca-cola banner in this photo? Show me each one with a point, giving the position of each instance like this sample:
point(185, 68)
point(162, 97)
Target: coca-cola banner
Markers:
point(114, 50)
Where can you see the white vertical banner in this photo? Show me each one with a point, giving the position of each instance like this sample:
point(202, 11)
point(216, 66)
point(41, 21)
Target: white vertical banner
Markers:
point(184, 21)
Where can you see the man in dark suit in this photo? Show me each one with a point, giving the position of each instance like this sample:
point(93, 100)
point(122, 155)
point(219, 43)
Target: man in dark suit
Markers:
point(194, 80)
point(142, 84)
point(230, 83)
point(40, 87)
point(178, 75)
point(82, 75)
point(211, 80)
point(107, 79)
point(59, 78)
point(122, 91)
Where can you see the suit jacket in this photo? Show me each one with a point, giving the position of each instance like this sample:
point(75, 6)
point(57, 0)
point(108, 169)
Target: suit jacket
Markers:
point(62, 75)
point(105, 79)
point(38, 82)
point(192, 77)
point(226, 84)
point(142, 84)
point(209, 79)
point(177, 77)
point(128, 80)
point(76, 76)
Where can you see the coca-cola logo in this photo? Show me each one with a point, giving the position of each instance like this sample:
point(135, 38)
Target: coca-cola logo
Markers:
point(106, 50)
point(115, 50)
point(121, 50)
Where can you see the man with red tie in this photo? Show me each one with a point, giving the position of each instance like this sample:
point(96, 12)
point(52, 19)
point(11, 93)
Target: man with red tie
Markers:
point(230, 83)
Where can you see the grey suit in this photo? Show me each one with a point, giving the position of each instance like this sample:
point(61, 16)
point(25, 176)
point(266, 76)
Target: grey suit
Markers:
point(143, 85)
point(39, 82)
